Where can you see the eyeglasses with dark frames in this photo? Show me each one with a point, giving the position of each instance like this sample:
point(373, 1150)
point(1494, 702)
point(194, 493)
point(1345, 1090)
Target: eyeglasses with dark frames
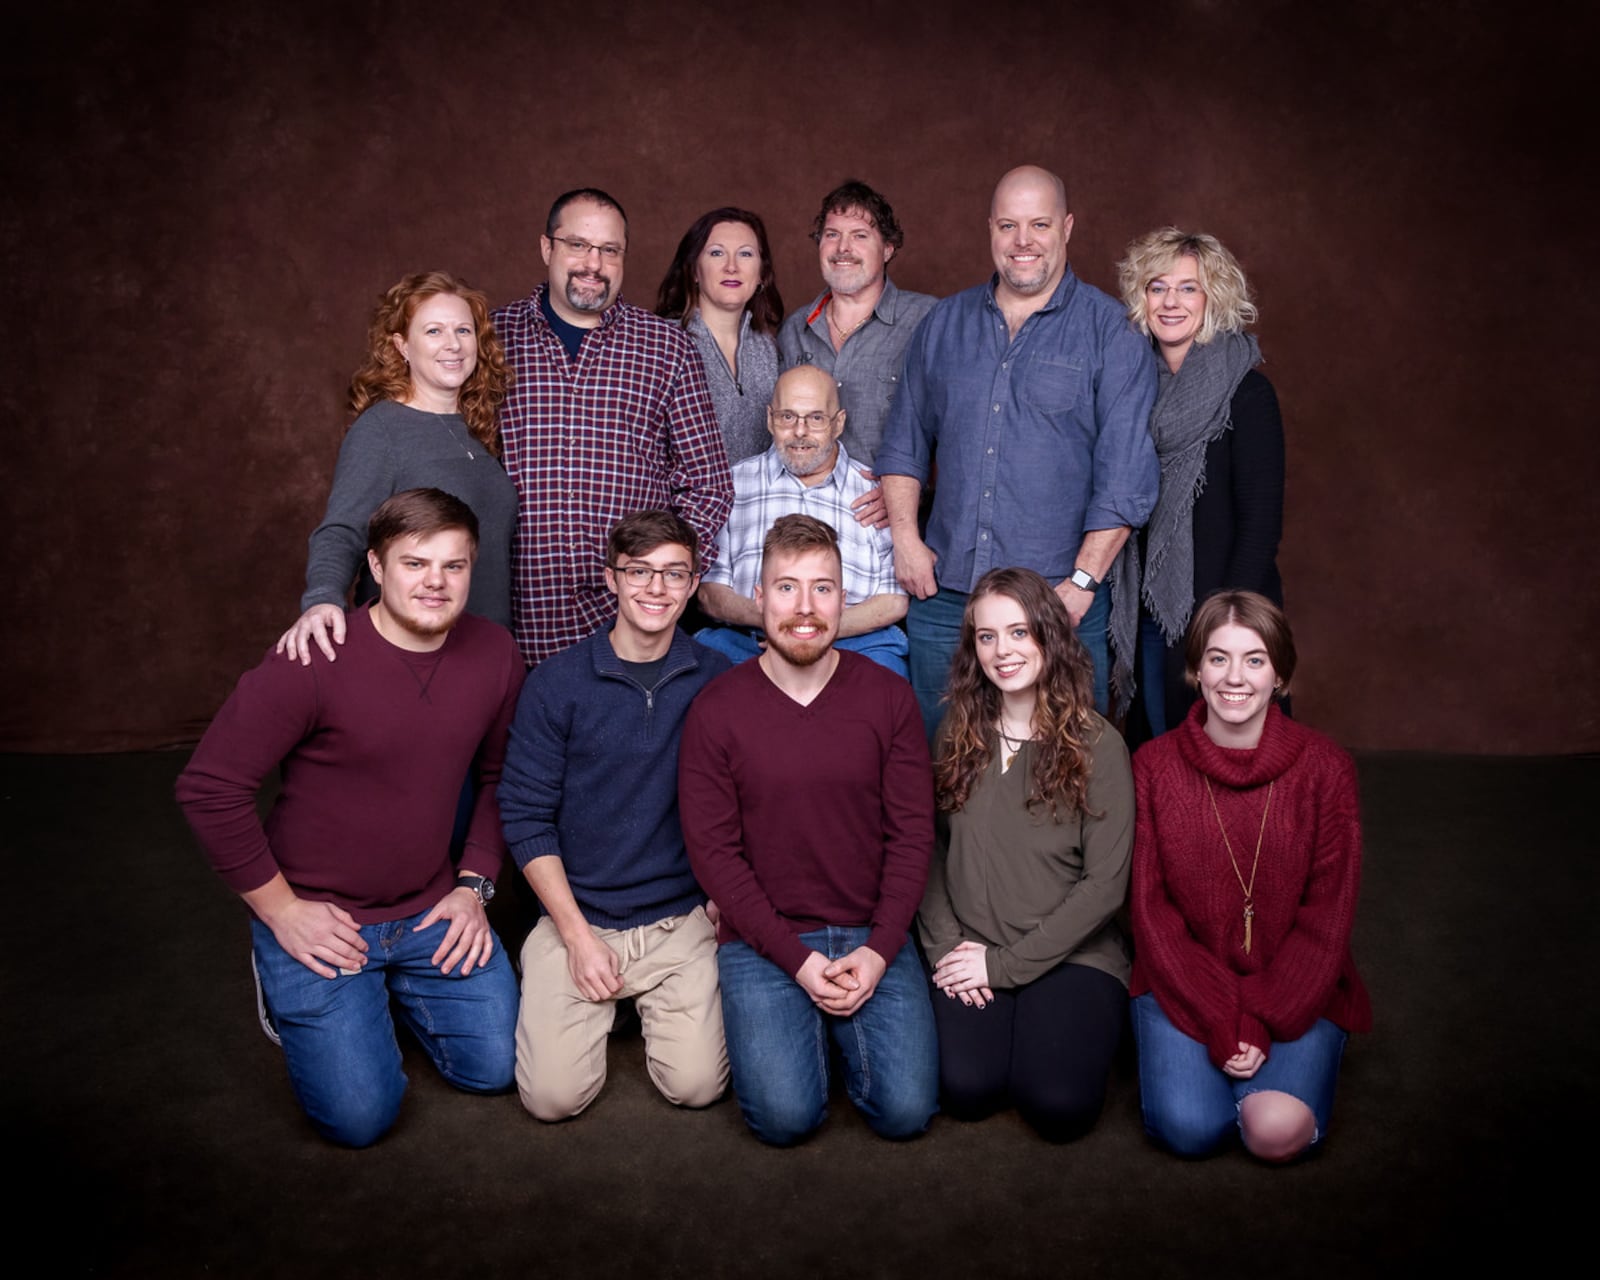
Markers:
point(582, 248)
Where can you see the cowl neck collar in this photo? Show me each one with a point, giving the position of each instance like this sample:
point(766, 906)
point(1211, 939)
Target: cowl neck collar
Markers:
point(1282, 741)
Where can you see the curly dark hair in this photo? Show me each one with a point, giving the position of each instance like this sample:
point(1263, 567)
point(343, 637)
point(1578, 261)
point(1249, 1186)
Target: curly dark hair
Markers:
point(679, 294)
point(385, 376)
point(1064, 718)
point(852, 196)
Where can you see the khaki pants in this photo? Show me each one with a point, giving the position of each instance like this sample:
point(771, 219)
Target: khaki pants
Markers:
point(669, 969)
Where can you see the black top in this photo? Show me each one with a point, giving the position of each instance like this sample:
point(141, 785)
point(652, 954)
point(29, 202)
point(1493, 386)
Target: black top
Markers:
point(1238, 517)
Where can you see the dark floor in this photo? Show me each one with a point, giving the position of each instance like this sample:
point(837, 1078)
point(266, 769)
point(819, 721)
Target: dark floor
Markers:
point(151, 1130)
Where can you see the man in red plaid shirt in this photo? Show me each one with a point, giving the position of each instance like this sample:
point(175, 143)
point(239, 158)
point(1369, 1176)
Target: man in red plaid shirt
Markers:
point(608, 414)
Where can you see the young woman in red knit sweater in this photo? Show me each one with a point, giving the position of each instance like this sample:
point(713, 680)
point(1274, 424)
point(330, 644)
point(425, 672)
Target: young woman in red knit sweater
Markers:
point(1247, 854)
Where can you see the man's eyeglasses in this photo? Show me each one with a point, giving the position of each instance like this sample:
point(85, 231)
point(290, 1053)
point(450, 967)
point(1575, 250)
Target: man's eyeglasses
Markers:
point(582, 248)
point(816, 419)
point(639, 575)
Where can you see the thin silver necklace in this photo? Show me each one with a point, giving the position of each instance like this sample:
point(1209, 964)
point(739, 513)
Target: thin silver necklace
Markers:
point(445, 423)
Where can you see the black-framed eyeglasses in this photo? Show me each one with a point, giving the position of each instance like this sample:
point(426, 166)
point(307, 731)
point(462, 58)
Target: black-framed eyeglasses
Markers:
point(640, 575)
point(582, 248)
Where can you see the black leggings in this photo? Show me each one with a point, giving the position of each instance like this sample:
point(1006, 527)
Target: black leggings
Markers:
point(1046, 1048)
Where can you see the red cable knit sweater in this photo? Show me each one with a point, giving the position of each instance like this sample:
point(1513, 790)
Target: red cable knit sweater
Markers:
point(1187, 906)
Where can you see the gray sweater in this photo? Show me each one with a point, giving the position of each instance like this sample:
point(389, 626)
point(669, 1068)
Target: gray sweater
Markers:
point(390, 448)
point(741, 403)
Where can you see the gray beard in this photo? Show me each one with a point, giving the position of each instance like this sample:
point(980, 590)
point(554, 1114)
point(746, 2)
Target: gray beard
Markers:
point(579, 303)
point(802, 469)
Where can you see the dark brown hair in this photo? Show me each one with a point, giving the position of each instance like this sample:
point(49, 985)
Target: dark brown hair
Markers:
point(1064, 716)
point(679, 294)
point(852, 196)
point(386, 376)
point(418, 513)
point(642, 532)
point(593, 195)
point(1242, 609)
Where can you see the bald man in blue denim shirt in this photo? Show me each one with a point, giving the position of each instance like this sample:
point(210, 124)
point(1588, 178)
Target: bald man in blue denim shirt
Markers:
point(1035, 392)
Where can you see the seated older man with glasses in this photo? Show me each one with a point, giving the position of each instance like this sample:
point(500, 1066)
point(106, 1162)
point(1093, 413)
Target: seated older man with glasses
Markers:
point(806, 472)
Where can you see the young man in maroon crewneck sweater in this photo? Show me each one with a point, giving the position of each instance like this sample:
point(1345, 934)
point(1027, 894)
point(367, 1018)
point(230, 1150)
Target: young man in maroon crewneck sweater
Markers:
point(350, 879)
point(807, 806)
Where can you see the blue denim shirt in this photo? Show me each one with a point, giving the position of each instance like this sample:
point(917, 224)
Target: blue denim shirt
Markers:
point(1038, 440)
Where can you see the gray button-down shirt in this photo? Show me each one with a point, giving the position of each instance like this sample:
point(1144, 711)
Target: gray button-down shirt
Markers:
point(868, 368)
point(1040, 439)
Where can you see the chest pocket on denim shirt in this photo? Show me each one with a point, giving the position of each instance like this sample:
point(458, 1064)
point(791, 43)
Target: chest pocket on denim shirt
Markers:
point(1054, 384)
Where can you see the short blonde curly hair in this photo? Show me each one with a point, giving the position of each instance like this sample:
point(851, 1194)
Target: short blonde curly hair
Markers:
point(1228, 304)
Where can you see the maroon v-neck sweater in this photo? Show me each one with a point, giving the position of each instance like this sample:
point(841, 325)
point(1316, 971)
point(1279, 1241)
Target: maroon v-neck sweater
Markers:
point(802, 816)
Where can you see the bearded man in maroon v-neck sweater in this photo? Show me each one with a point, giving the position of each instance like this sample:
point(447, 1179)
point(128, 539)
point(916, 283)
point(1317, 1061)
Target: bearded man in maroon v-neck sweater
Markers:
point(807, 806)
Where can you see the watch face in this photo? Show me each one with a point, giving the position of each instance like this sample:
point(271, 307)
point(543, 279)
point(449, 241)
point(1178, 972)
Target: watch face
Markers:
point(486, 889)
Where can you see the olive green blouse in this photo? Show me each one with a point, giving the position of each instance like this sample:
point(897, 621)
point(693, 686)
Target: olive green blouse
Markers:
point(1034, 891)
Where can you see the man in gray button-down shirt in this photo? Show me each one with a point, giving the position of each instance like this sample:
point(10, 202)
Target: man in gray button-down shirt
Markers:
point(1036, 393)
point(858, 328)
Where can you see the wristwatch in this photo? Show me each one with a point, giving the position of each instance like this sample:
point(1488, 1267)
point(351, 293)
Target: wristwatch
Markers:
point(480, 885)
point(1083, 580)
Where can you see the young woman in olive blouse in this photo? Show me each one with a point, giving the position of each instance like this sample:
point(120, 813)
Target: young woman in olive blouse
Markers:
point(1036, 825)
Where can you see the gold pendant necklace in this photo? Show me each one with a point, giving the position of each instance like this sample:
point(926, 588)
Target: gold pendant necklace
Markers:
point(1249, 889)
point(1014, 745)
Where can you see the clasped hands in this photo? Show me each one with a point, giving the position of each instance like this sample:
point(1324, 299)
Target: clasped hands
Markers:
point(1245, 1063)
point(963, 974)
point(842, 986)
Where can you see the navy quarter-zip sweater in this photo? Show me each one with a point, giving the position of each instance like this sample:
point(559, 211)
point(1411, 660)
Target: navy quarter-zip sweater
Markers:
point(591, 777)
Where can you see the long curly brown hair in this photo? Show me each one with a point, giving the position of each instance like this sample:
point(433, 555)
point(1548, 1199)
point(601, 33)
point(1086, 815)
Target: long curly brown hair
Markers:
point(1064, 717)
point(385, 375)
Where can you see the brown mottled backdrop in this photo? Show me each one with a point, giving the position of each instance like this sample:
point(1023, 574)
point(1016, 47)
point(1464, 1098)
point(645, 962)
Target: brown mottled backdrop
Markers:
point(198, 204)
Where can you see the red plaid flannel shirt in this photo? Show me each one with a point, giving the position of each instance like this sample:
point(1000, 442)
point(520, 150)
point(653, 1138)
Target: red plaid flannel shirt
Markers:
point(627, 427)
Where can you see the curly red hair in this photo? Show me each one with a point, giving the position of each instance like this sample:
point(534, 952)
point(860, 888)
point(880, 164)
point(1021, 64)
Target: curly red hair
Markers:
point(385, 375)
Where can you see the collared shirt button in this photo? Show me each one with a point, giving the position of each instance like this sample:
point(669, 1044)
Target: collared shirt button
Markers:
point(983, 537)
point(997, 408)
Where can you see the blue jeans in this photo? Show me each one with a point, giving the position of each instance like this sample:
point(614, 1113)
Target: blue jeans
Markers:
point(339, 1041)
point(886, 646)
point(778, 1043)
point(1153, 674)
point(934, 627)
point(1192, 1108)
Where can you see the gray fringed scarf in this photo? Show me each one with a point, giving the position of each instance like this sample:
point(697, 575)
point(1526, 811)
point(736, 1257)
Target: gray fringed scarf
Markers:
point(1192, 409)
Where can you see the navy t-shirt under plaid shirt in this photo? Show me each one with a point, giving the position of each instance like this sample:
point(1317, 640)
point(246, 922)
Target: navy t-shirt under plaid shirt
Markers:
point(627, 426)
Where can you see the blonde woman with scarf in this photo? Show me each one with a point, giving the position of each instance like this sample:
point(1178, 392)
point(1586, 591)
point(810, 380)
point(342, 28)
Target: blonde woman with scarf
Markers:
point(1219, 437)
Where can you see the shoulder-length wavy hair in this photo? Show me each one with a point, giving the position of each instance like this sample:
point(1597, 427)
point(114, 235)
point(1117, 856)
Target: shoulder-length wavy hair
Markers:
point(385, 376)
point(679, 294)
point(1063, 718)
point(1229, 307)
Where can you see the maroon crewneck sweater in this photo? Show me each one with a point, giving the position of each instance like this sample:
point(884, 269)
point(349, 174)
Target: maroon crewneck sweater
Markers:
point(1187, 905)
point(374, 749)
